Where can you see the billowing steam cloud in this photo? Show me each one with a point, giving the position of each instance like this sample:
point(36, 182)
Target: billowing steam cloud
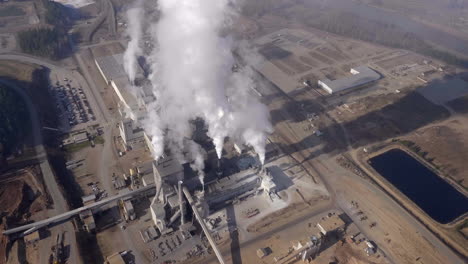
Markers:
point(192, 78)
point(135, 17)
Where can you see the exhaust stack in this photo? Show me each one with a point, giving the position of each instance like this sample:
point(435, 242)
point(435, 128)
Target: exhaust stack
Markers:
point(181, 204)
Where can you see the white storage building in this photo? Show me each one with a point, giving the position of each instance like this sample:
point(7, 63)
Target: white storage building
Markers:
point(360, 75)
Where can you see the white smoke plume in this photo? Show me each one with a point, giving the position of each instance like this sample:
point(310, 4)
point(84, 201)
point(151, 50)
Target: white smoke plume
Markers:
point(198, 164)
point(135, 18)
point(195, 79)
point(192, 78)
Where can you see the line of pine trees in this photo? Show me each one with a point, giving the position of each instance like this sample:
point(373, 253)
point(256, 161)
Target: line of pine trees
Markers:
point(51, 41)
point(13, 118)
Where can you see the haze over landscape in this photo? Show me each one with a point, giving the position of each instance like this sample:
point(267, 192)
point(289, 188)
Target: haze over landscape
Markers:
point(218, 131)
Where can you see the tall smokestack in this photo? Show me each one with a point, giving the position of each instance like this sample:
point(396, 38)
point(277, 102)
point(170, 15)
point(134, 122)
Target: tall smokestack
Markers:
point(219, 172)
point(182, 213)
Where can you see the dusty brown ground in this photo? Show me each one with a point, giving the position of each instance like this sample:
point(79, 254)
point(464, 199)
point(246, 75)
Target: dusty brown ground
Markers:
point(353, 254)
point(377, 118)
point(17, 70)
point(23, 197)
point(282, 216)
point(106, 50)
point(447, 147)
point(368, 118)
point(441, 138)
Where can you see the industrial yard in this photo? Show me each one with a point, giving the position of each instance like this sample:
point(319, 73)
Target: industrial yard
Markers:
point(108, 174)
point(24, 198)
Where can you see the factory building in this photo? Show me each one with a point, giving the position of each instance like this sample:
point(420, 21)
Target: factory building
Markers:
point(132, 101)
point(227, 189)
point(131, 134)
point(360, 76)
point(145, 171)
point(167, 207)
point(158, 214)
point(168, 169)
point(111, 69)
point(147, 179)
point(127, 206)
point(268, 186)
point(88, 221)
point(221, 185)
point(129, 211)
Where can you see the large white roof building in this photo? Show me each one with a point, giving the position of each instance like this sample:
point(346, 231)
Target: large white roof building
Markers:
point(360, 75)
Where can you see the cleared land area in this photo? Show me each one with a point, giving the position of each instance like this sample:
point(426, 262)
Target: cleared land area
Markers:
point(24, 198)
point(446, 146)
point(397, 106)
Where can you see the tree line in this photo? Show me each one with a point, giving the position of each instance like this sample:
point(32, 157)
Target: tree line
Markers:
point(51, 41)
point(13, 119)
point(350, 25)
point(56, 14)
point(44, 42)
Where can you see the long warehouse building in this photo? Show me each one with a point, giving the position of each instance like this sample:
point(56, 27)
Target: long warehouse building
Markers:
point(360, 76)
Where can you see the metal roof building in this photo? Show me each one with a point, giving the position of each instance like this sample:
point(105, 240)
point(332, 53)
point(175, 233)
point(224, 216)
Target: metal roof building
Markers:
point(111, 67)
point(360, 75)
point(113, 72)
point(115, 259)
point(330, 224)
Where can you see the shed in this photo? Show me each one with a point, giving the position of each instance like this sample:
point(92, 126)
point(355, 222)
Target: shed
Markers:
point(32, 238)
point(115, 258)
point(330, 224)
point(81, 137)
point(88, 199)
point(262, 252)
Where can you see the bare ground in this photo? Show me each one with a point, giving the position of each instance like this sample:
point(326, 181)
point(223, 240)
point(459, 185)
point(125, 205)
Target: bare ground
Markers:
point(447, 147)
point(23, 196)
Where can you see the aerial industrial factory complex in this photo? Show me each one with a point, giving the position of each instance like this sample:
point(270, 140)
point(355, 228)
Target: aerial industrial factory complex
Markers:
point(348, 119)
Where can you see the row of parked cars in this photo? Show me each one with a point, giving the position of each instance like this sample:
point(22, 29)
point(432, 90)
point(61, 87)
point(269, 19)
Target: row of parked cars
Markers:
point(72, 102)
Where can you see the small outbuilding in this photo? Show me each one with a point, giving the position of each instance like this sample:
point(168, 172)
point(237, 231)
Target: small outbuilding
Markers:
point(32, 238)
point(330, 224)
point(115, 258)
point(263, 252)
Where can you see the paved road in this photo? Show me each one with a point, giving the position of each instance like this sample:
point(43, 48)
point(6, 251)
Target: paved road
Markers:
point(60, 205)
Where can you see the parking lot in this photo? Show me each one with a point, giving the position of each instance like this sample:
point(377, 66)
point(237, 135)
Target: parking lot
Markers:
point(71, 102)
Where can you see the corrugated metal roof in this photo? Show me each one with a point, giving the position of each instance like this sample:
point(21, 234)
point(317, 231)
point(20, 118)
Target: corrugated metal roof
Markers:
point(112, 66)
point(364, 75)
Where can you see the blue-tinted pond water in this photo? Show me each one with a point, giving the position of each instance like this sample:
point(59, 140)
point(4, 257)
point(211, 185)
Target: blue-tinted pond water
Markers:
point(431, 193)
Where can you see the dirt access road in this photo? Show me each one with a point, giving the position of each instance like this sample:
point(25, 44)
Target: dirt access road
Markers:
point(402, 238)
point(59, 203)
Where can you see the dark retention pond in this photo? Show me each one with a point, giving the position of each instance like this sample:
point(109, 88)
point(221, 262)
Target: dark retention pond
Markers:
point(434, 195)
